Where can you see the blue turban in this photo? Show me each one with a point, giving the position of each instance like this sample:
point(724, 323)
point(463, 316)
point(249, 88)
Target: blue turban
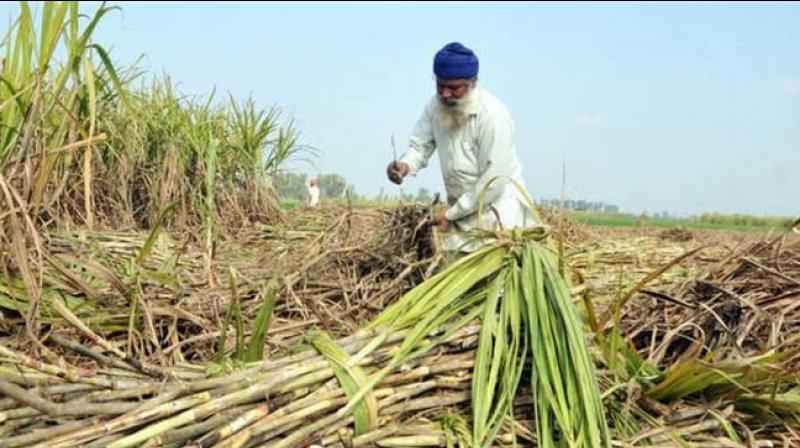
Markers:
point(455, 61)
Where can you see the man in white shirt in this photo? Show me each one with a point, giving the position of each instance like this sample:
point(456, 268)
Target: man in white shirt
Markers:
point(313, 193)
point(472, 130)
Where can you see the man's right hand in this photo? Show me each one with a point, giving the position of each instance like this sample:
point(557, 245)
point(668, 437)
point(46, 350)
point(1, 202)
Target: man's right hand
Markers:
point(396, 171)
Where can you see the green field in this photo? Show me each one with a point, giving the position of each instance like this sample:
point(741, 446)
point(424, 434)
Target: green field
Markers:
point(743, 223)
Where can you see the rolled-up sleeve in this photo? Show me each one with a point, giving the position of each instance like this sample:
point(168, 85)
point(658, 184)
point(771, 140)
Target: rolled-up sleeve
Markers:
point(421, 144)
point(495, 160)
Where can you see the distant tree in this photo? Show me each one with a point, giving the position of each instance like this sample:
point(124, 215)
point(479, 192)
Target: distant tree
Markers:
point(579, 205)
point(609, 208)
point(291, 186)
point(333, 185)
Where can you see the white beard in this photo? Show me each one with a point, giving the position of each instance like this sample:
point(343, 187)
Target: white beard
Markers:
point(453, 118)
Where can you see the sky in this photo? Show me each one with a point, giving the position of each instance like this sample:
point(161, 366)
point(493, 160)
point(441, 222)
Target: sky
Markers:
point(679, 107)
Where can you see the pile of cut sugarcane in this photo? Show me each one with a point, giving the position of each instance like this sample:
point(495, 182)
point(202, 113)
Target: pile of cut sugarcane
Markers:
point(270, 401)
point(489, 352)
point(495, 335)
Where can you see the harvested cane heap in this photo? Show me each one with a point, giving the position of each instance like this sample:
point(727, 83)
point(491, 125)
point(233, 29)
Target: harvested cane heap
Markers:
point(464, 333)
point(488, 352)
point(453, 361)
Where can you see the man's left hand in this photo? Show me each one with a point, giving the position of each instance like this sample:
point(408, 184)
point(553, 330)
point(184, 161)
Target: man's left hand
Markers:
point(442, 223)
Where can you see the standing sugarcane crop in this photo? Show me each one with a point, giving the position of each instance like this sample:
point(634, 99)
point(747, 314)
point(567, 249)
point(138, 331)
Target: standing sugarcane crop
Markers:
point(472, 130)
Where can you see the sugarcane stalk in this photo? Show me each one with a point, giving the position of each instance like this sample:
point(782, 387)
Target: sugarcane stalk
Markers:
point(216, 405)
point(58, 410)
point(65, 373)
point(182, 435)
point(23, 412)
point(50, 432)
point(128, 420)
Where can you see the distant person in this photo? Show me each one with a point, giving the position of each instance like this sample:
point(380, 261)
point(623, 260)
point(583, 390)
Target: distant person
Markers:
point(313, 193)
point(473, 132)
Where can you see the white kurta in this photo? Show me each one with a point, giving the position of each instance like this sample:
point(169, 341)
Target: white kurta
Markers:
point(313, 196)
point(470, 157)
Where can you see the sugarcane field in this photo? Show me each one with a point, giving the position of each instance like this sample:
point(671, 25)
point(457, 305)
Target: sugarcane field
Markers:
point(170, 276)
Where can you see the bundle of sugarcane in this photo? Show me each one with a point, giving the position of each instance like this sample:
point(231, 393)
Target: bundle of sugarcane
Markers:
point(425, 352)
point(529, 339)
point(514, 287)
point(55, 406)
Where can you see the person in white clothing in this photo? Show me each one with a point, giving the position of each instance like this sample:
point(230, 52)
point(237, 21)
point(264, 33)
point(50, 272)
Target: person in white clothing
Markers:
point(313, 193)
point(473, 133)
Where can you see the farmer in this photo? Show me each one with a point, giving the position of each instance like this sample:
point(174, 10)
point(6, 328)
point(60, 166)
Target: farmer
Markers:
point(473, 132)
point(313, 193)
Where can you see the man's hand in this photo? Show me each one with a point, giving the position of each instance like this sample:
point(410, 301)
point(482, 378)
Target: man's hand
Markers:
point(396, 171)
point(442, 223)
